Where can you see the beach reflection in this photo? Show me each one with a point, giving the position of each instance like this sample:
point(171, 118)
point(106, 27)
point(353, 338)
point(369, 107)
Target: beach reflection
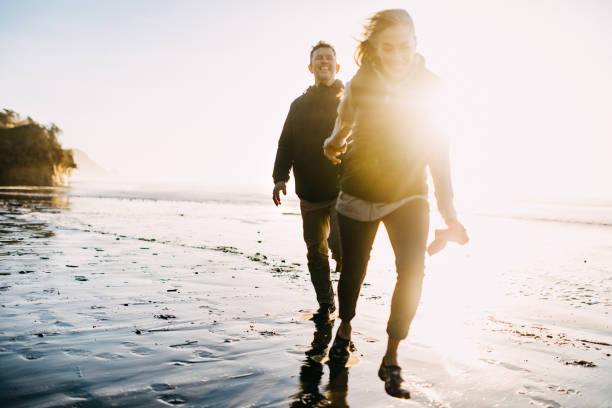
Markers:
point(311, 373)
point(16, 203)
point(42, 199)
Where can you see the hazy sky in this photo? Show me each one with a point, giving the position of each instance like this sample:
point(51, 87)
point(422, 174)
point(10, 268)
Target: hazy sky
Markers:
point(199, 90)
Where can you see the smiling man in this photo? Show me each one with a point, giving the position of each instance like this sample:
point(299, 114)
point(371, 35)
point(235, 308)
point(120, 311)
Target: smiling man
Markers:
point(309, 122)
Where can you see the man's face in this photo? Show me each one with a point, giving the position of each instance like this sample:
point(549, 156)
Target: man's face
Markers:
point(324, 66)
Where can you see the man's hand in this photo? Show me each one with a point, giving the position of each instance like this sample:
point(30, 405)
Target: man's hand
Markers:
point(278, 187)
point(332, 151)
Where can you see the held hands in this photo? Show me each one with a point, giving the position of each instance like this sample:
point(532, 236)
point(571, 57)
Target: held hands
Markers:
point(331, 150)
point(455, 232)
point(278, 187)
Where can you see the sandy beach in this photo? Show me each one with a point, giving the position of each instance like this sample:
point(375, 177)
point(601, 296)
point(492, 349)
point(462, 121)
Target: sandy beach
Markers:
point(148, 300)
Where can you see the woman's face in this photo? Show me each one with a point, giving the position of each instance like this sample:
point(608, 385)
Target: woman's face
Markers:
point(395, 48)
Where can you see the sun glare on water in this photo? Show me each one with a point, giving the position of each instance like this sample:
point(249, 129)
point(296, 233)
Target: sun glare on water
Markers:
point(464, 287)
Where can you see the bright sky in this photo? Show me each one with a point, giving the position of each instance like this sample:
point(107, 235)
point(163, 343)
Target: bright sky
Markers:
point(198, 90)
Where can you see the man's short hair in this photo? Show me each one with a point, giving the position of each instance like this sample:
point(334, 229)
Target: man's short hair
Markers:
point(321, 44)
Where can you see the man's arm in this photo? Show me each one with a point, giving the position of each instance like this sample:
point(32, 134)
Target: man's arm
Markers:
point(284, 159)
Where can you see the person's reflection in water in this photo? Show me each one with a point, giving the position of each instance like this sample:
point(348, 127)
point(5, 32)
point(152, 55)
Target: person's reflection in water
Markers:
point(311, 373)
point(337, 387)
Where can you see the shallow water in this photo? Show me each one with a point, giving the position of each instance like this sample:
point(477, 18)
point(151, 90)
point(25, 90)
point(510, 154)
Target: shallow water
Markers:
point(217, 287)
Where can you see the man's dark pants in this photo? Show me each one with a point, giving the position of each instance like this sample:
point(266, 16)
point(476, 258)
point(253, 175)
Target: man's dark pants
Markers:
point(321, 233)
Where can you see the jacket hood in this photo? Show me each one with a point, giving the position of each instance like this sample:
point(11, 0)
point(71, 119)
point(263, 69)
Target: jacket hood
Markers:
point(337, 86)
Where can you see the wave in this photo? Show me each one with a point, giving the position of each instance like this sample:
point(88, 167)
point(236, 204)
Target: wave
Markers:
point(140, 192)
point(549, 219)
point(599, 214)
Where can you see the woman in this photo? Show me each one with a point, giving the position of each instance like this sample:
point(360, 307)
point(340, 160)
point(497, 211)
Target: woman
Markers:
point(386, 109)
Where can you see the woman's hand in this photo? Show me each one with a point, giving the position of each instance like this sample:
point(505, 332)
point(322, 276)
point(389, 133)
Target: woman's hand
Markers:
point(332, 150)
point(457, 232)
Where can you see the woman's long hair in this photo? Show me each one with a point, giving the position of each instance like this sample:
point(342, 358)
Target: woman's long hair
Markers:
point(365, 54)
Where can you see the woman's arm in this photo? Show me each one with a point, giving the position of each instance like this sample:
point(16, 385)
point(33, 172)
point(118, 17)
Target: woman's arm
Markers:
point(439, 166)
point(336, 143)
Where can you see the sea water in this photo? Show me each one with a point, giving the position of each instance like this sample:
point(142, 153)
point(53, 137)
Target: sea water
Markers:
point(521, 255)
point(523, 307)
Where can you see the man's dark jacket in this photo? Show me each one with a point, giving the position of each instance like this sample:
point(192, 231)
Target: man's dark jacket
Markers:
point(310, 121)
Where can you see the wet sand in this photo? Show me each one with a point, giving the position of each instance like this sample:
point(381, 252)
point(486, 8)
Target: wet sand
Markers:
point(96, 318)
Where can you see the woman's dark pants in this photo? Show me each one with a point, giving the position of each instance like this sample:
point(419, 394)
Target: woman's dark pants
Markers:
point(407, 228)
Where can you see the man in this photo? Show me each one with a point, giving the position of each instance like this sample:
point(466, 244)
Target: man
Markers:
point(310, 121)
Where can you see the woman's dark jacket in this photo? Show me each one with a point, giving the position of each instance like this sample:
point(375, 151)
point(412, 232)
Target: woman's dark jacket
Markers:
point(392, 140)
